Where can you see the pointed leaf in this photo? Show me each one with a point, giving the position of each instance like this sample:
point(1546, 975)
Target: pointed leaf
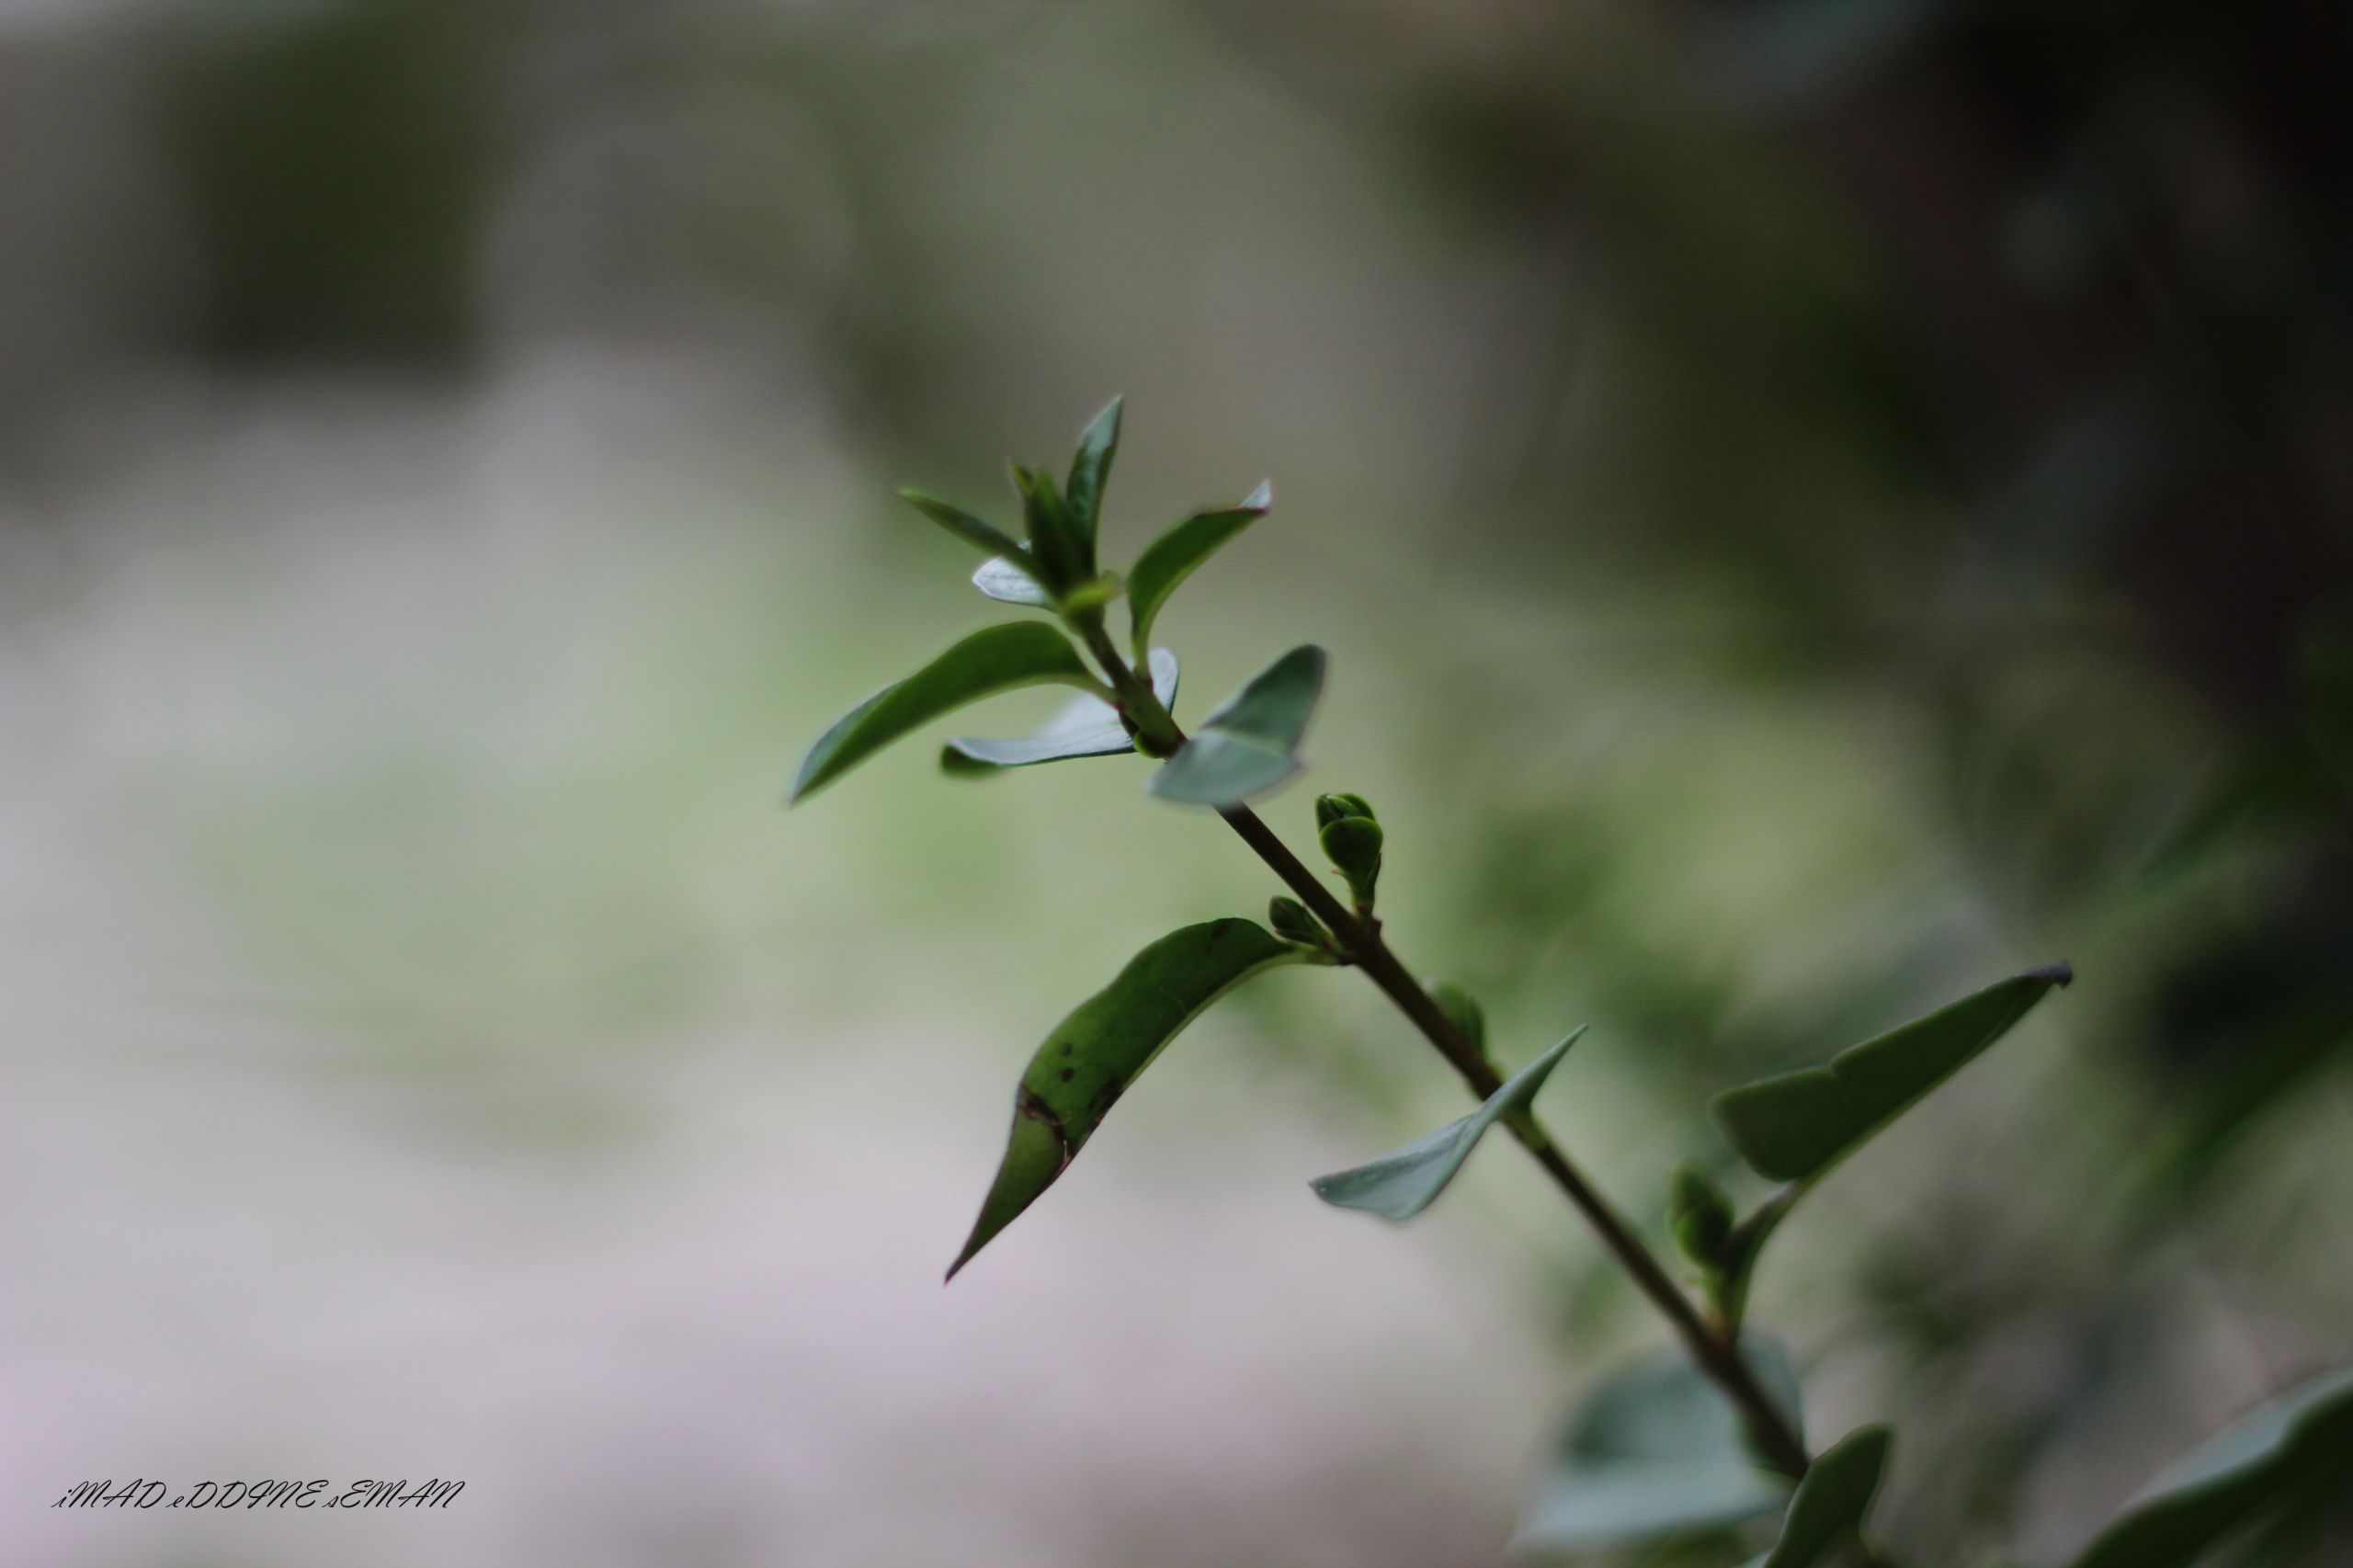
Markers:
point(999, 659)
point(1009, 578)
point(1088, 726)
point(1795, 1127)
point(1656, 1450)
point(1831, 1503)
point(985, 537)
point(1172, 556)
point(1094, 1054)
point(1248, 745)
point(2282, 1450)
point(1403, 1182)
point(1090, 471)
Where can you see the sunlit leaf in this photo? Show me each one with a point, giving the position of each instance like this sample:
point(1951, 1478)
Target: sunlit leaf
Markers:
point(1094, 1054)
point(2280, 1451)
point(1008, 578)
point(1833, 1499)
point(1090, 471)
point(1172, 556)
point(999, 659)
point(1248, 745)
point(1086, 726)
point(1656, 1450)
point(985, 537)
point(1796, 1126)
point(1403, 1182)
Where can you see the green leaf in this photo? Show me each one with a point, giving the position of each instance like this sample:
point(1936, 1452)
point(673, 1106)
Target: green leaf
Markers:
point(985, 537)
point(1172, 556)
point(2281, 1450)
point(1656, 1450)
point(1796, 1126)
point(1010, 578)
point(1086, 726)
point(1248, 745)
point(999, 659)
point(1090, 471)
point(1831, 1503)
point(1094, 1054)
point(1063, 558)
point(1403, 1182)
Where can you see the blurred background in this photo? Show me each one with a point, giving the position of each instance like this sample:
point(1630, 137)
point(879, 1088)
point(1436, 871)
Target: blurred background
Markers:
point(1815, 504)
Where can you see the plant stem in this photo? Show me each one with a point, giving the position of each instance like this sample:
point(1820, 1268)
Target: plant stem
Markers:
point(1716, 1355)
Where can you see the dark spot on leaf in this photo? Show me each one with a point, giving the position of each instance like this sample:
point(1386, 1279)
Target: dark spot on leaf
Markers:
point(1068, 1073)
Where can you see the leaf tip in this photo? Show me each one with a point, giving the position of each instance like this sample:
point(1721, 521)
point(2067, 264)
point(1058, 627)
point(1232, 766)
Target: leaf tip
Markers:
point(2059, 974)
point(1262, 499)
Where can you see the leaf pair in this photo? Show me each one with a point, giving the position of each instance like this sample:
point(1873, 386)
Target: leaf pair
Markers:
point(1086, 726)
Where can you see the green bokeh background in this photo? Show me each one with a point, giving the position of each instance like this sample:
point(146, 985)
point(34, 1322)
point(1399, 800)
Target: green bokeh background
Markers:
point(1812, 508)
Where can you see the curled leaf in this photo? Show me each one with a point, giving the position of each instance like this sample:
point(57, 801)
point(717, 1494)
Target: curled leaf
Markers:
point(999, 659)
point(1403, 1182)
point(1249, 744)
point(1086, 726)
point(1094, 1054)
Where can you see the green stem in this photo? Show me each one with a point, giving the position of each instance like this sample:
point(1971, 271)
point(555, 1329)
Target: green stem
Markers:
point(1718, 1356)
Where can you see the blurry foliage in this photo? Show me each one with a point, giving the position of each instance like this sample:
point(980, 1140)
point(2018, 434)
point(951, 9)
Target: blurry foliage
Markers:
point(1919, 433)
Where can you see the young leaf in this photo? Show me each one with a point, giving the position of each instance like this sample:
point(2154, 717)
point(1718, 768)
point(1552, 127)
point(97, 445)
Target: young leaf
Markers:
point(2301, 1441)
point(985, 537)
point(1655, 1450)
point(1830, 1504)
point(998, 659)
point(1403, 1182)
point(1086, 726)
point(1090, 471)
point(1171, 558)
point(1248, 745)
point(1010, 578)
point(1063, 558)
point(1094, 1054)
point(1795, 1127)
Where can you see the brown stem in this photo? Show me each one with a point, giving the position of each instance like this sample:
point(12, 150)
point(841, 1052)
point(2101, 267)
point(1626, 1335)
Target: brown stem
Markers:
point(1718, 1356)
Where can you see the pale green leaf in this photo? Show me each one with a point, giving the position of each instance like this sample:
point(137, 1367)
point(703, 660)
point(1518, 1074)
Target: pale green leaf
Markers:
point(1403, 1182)
point(1172, 558)
point(999, 659)
point(1796, 1126)
point(1009, 578)
point(1086, 726)
point(1656, 1451)
point(1094, 1054)
point(1250, 744)
point(2285, 1448)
